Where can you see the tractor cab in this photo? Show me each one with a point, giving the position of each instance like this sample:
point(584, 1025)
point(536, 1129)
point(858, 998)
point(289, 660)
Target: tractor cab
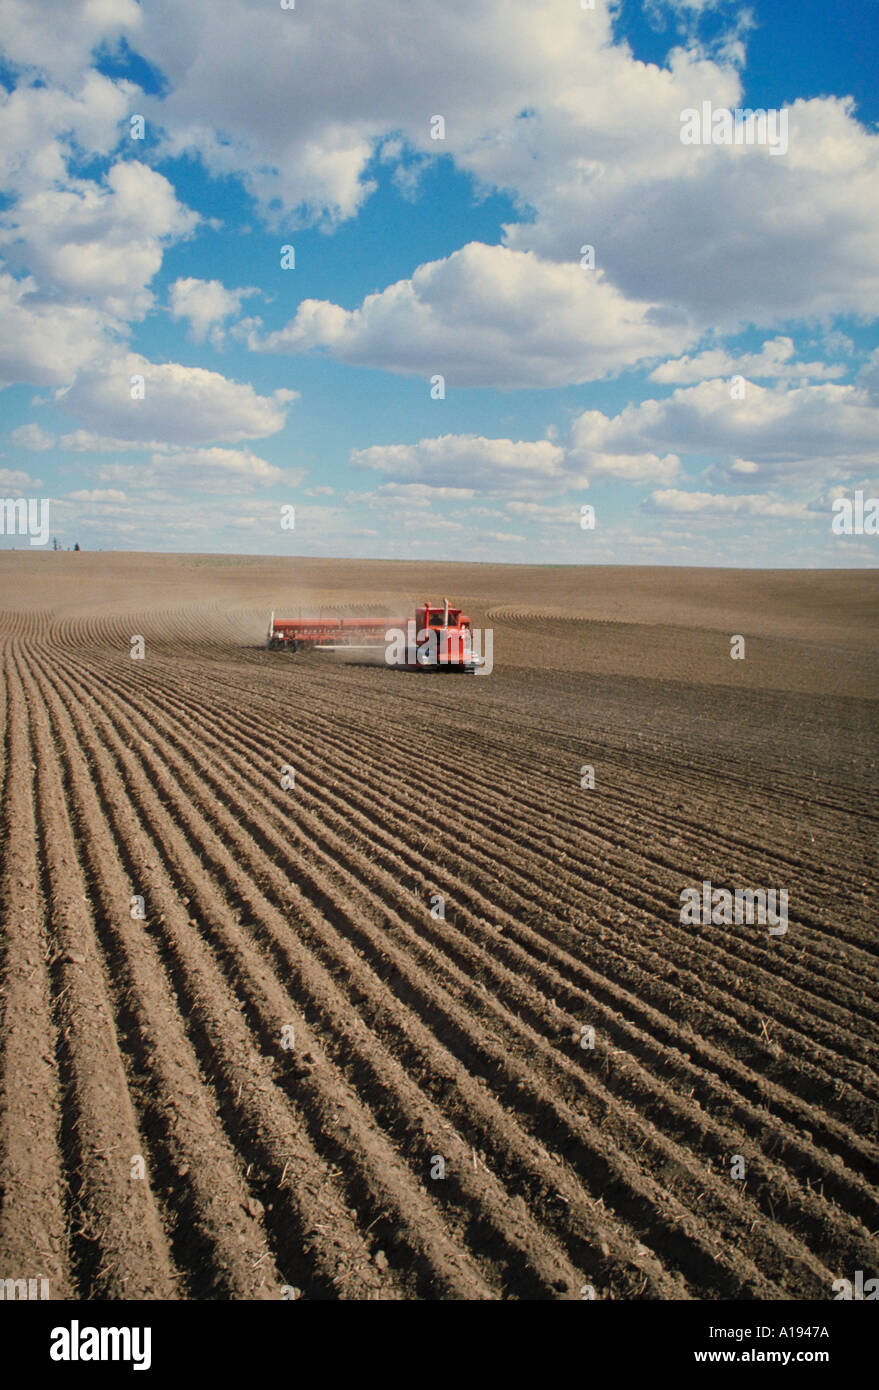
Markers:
point(443, 634)
point(439, 616)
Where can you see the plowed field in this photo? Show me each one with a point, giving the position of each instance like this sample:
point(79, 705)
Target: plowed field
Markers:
point(334, 1089)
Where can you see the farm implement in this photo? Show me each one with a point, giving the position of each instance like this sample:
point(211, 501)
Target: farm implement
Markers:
point(439, 637)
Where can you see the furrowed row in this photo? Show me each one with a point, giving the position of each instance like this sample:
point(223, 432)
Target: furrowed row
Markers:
point(708, 1180)
point(34, 1239)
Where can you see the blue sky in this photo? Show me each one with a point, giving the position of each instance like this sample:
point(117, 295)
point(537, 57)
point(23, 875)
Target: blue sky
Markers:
point(709, 387)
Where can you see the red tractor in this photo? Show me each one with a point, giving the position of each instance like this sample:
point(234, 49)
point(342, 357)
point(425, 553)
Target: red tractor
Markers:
point(437, 638)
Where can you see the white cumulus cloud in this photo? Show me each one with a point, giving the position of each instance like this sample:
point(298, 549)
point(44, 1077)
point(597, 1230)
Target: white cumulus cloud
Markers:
point(205, 304)
point(32, 437)
point(776, 360)
point(181, 405)
point(100, 244)
point(785, 433)
point(42, 342)
point(486, 316)
point(467, 461)
point(719, 504)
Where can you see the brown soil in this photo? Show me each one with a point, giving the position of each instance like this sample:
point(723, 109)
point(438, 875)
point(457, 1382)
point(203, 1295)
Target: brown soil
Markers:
point(315, 1167)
